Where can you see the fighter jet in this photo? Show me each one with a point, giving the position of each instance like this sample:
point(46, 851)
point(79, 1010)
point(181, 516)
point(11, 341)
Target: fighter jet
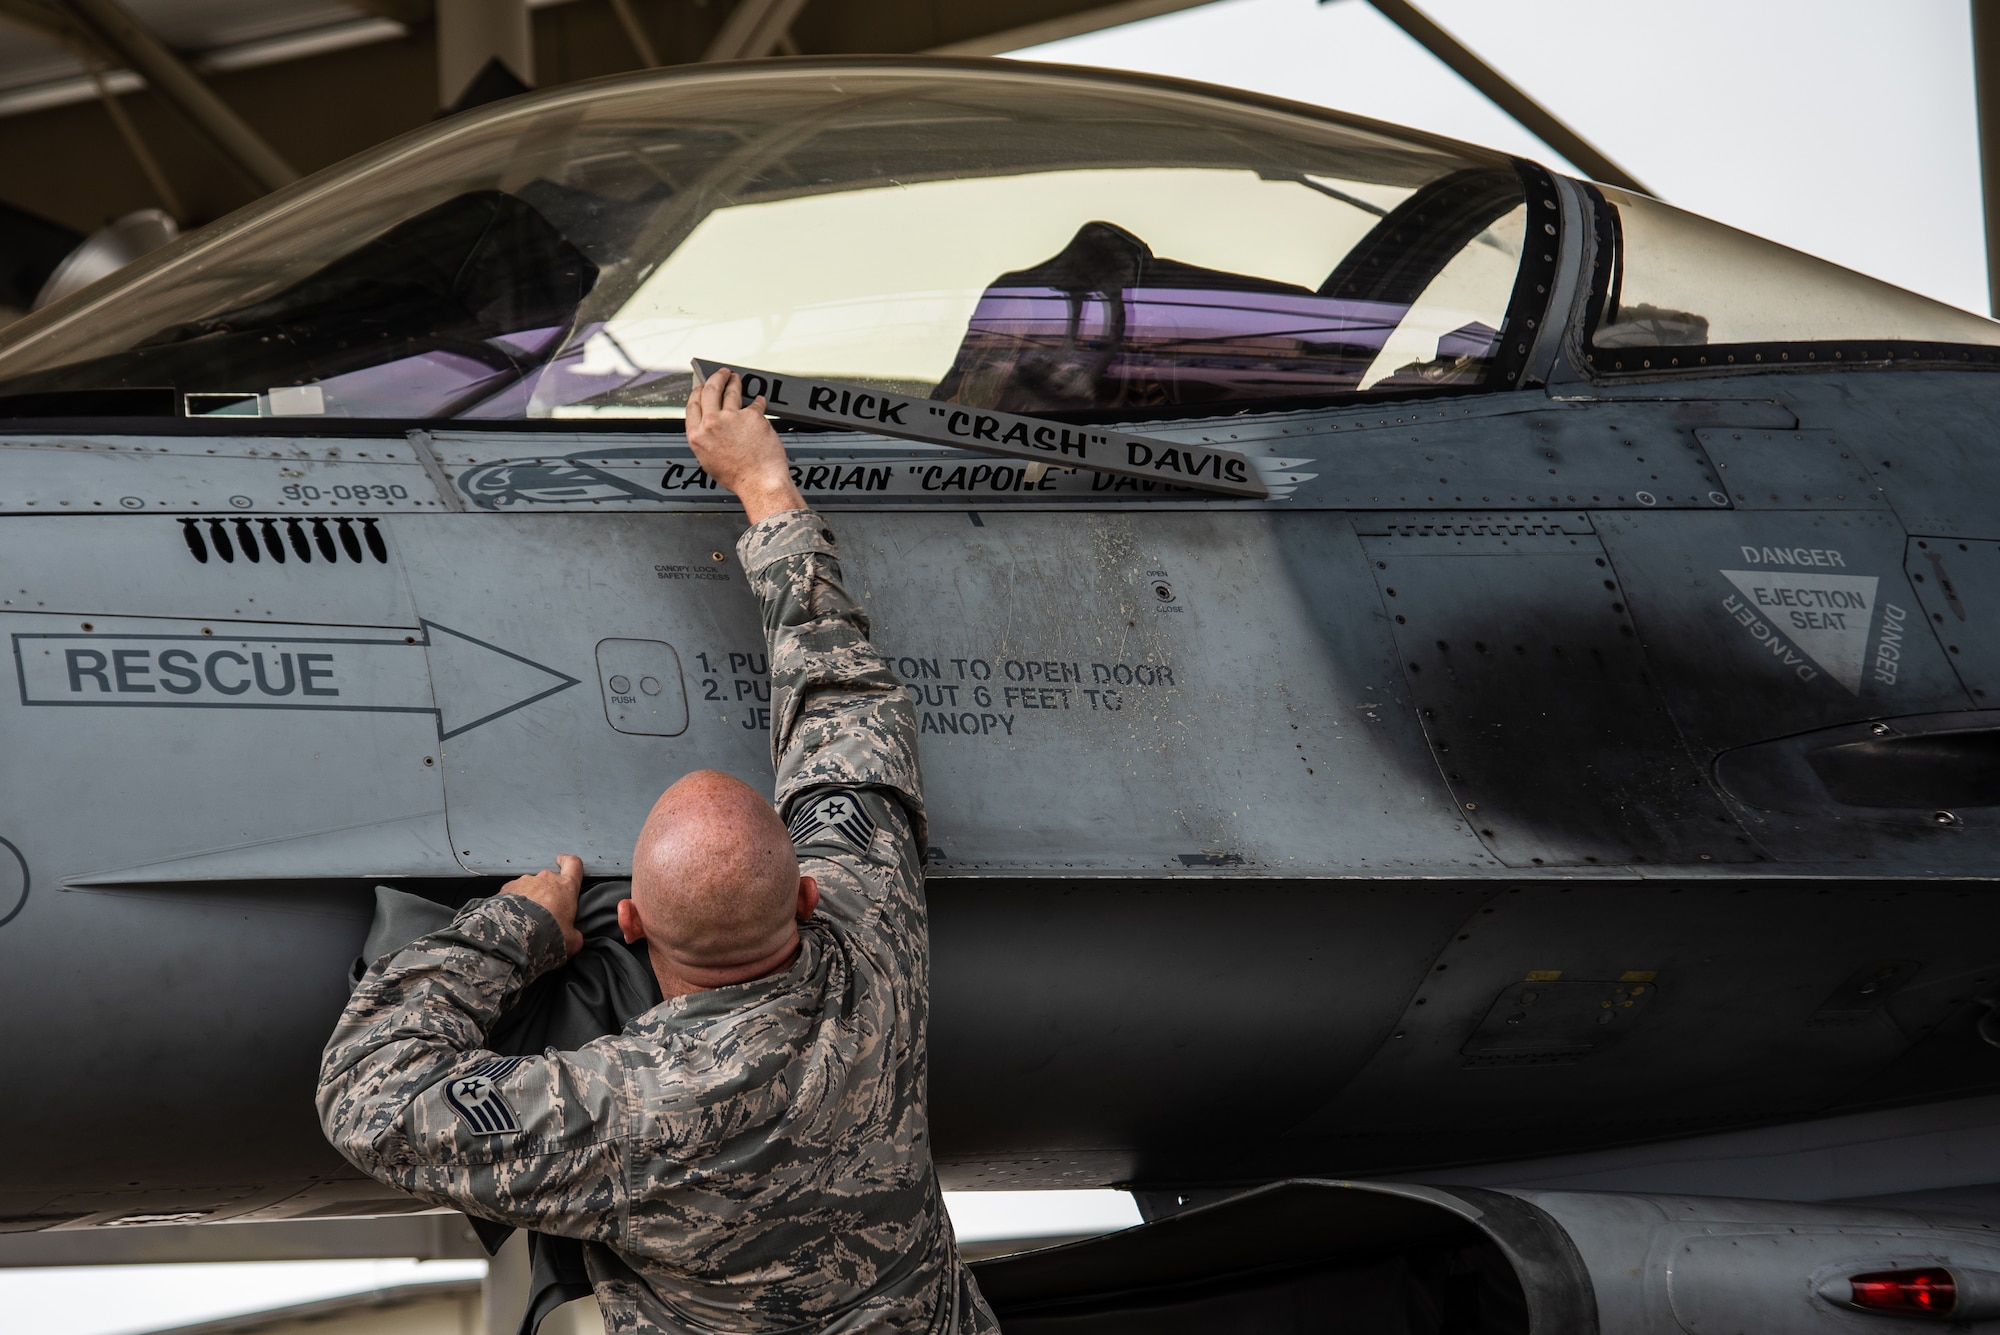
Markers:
point(1521, 860)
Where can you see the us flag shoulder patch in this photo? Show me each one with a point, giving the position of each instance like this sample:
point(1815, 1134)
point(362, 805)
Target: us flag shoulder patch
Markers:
point(475, 1096)
point(841, 813)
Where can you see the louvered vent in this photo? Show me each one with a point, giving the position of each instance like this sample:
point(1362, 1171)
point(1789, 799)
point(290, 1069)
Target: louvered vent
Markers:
point(281, 540)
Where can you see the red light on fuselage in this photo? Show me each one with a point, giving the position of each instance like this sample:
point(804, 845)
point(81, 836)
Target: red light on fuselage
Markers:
point(1926, 1292)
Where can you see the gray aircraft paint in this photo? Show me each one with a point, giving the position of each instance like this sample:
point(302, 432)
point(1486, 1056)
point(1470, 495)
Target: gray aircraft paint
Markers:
point(1569, 788)
point(1299, 794)
point(1275, 810)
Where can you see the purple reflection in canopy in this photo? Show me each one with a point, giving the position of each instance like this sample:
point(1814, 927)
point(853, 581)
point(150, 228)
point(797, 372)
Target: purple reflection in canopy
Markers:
point(1108, 324)
point(1471, 340)
point(492, 380)
point(1172, 316)
point(1177, 344)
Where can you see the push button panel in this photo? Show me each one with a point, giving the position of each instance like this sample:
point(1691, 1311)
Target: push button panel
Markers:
point(643, 691)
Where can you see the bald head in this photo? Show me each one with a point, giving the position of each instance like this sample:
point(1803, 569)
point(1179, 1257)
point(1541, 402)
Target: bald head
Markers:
point(716, 888)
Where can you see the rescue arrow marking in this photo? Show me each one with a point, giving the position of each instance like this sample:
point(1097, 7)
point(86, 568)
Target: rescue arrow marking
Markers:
point(1010, 435)
point(461, 681)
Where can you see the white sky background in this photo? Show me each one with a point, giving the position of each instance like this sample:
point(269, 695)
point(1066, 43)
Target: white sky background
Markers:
point(1844, 128)
point(114, 1300)
point(126, 1299)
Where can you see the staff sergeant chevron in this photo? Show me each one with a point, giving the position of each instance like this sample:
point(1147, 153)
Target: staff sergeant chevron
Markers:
point(462, 681)
point(1011, 435)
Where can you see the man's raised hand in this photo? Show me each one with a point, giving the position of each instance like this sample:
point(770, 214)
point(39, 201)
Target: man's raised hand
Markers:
point(555, 891)
point(736, 445)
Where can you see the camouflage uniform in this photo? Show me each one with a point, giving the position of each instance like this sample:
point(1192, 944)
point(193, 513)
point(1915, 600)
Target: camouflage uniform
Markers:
point(750, 1158)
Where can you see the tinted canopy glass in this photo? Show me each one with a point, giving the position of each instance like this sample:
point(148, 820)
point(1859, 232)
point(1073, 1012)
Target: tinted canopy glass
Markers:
point(1683, 282)
point(996, 235)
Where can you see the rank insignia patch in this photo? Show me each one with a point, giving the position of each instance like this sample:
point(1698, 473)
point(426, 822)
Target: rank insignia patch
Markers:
point(841, 813)
point(475, 1096)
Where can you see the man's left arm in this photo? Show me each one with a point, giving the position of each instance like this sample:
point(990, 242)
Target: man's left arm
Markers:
point(407, 1094)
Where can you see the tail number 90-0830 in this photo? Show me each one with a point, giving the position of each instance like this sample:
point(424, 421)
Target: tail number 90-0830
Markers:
point(360, 491)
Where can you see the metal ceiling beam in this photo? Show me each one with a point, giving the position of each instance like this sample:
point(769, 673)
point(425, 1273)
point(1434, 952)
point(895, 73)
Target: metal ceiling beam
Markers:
point(156, 175)
point(409, 13)
point(1986, 83)
point(1068, 25)
point(471, 34)
point(50, 24)
point(753, 29)
point(635, 33)
point(1531, 114)
point(113, 28)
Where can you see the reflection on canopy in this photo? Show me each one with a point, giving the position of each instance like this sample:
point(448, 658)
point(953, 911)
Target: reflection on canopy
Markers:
point(1683, 281)
point(1007, 238)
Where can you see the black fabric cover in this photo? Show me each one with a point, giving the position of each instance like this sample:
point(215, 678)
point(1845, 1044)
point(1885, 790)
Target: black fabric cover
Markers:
point(604, 985)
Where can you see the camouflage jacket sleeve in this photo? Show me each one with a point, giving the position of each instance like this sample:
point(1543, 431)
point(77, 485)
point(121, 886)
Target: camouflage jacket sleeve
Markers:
point(840, 717)
point(409, 1097)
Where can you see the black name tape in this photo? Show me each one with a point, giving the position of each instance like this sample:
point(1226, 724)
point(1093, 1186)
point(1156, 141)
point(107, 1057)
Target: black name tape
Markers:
point(1058, 444)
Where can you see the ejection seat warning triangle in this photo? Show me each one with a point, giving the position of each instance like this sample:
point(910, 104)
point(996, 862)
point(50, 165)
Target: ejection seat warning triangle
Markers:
point(1795, 614)
point(1011, 435)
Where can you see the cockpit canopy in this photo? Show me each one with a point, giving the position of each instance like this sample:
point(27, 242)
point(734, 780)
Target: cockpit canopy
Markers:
point(998, 235)
point(1680, 291)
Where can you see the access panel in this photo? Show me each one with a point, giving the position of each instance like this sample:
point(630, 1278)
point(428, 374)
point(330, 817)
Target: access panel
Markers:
point(643, 690)
point(561, 652)
point(1747, 1005)
point(175, 717)
point(1520, 652)
point(1958, 585)
point(1791, 650)
point(1176, 693)
point(1766, 625)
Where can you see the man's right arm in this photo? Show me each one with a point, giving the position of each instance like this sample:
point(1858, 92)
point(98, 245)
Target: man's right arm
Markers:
point(840, 720)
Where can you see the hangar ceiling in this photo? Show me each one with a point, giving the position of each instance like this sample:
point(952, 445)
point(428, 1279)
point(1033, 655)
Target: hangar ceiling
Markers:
point(196, 107)
point(87, 137)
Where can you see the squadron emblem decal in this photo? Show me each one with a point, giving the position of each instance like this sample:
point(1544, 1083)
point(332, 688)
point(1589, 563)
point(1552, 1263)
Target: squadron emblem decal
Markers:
point(840, 812)
point(475, 1096)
